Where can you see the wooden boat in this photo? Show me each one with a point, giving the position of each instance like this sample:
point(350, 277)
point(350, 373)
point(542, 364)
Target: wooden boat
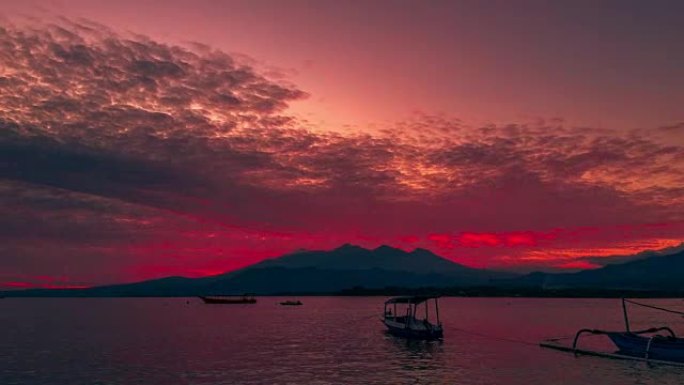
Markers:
point(658, 344)
point(657, 347)
point(401, 317)
point(228, 300)
point(292, 303)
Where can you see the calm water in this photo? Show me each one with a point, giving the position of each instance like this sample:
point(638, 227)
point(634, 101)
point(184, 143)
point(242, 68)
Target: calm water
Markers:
point(329, 340)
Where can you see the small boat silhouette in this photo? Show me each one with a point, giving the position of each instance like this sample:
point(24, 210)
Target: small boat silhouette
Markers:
point(228, 300)
point(291, 303)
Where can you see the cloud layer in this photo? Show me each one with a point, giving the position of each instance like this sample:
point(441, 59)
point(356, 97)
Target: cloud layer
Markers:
point(125, 158)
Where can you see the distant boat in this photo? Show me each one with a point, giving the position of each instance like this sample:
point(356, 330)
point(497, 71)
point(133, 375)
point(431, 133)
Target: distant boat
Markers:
point(228, 300)
point(402, 319)
point(657, 344)
point(292, 303)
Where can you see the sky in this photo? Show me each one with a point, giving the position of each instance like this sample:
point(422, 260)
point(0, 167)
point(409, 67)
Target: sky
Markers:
point(142, 139)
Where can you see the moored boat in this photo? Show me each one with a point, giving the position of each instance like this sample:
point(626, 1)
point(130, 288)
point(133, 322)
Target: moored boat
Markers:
point(228, 300)
point(657, 344)
point(292, 303)
point(402, 318)
point(657, 347)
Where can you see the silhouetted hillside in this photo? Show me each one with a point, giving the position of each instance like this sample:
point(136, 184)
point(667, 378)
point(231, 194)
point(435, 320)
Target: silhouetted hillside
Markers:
point(662, 272)
point(311, 272)
point(374, 271)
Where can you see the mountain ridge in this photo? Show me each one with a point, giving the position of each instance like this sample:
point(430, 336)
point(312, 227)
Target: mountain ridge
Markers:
point(350, 266)
point(657, 272)
point(310, 271)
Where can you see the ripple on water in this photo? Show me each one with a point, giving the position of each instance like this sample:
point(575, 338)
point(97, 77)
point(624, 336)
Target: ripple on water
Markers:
point(329, 340)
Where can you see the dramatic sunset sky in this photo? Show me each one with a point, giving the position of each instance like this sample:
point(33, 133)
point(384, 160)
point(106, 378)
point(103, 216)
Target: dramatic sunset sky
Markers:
point(141, 139)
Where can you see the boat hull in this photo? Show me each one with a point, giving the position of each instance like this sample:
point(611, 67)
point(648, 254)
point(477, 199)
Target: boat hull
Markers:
point(661, 348)
point(414, 333)
point(228, 301)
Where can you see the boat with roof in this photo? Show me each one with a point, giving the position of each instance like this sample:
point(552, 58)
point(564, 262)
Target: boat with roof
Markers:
point(412, 317)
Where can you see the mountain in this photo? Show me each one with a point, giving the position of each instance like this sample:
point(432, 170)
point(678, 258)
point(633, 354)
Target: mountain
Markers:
point(350, 266)
point(351, 257)
point(658, 272)
point(331, 271)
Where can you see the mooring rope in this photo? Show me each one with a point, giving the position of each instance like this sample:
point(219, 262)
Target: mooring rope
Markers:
point(654, 307)
point(497, 338)
point(366, 317)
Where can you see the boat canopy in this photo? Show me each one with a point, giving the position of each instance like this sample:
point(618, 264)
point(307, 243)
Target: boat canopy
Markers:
point(411, 300)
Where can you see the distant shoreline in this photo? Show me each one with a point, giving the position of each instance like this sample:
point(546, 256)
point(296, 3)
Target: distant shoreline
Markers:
point(465, 292)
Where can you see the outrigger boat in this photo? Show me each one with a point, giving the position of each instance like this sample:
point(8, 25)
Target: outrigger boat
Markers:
point(228, 300)
point(401, 318)
point(657, 344)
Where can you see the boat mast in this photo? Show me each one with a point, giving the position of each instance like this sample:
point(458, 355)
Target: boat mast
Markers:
point(437, 311)
point(427, 304)
point(624, 312)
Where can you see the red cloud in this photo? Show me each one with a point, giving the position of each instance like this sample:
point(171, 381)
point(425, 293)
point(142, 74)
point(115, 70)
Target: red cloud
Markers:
point(478, 239)
point(129, 158)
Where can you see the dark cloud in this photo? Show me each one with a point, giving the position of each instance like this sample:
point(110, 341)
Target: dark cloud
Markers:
point(673, 127)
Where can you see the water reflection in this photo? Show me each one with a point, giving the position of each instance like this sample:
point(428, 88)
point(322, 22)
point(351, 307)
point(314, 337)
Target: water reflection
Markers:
point(413, 347)
point(415, 355)
point(328, 341)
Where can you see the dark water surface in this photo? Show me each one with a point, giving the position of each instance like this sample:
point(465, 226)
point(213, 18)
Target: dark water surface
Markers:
point(329, 340)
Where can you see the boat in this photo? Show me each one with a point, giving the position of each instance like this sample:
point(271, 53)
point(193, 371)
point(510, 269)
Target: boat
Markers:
point(402, 318)
point(658, 347)
point(228, 300)
point(656, 344)
point(292, 303)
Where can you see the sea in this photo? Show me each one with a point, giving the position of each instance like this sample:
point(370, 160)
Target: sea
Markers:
point(328, 340)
